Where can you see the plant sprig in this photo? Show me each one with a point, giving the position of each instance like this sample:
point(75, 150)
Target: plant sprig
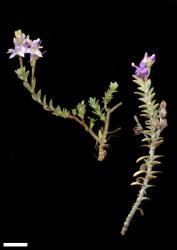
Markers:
point(23, 45)
point(154, 124)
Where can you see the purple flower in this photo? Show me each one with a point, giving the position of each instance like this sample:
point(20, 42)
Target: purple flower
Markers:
point(23, 45)
point(19, 45)
point(33, 49)
point(143, 70)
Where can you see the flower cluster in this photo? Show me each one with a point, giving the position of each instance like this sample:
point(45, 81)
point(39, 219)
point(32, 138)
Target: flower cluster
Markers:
point(23, 45)
point(143, 70)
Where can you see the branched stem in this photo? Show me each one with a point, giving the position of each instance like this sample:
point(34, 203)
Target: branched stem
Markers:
point(100, 140)
point(83, 124)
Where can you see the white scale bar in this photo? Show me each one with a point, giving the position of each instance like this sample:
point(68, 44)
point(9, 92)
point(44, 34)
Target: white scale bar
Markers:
point(15, 244)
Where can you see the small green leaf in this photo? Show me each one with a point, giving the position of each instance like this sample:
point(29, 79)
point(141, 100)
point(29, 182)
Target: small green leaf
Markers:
point(147, 85)
point(38, 96)
point(51, 104)
point(94, 104)
point(153, 163)
point(109, 93)
point(139, 93)
point(65, 113)
point(156, 172)
point(157, 143)
point(147, 139)
point(27, 86)
point(136, 184)
point(151, 177)
point(142, 99)
point(81, 109)
point(151, 96)
point(150, 91)
point(74, 111)
point(143, 106)
point(44, 100)
point(92, 122)
point(100, 134)
point(142, 158)
point(139, 172)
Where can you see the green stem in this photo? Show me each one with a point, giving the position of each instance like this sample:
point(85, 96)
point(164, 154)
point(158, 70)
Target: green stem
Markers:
point(103, 145)
point(83, 124)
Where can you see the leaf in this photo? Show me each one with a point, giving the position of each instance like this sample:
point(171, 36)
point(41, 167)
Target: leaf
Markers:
point(65, 113)
point(142, 158)
point(27, 86)
point(100, 134)
point(158, 156)
point(141, 88)
point(147, 132)
point(139, 93)
point(81, 108)
point(150, 91)
point(144, 106)
point(94, 104)
point(151, 177)
point(145, 198)
point(44, 100)
point(92, 122)
point(136, 184)
point(156, 172)
point(21, 73)
point(145, 115)
point(74, 111)
point(141, 211)
point(51, 105)
point(26, 75)
point(151, 97)
point(140, 179)
point(33, 83)
point(142, 99)
point(109, 93)
point(157, 143)
point(154, 107)
point(139, 172)
point(147, 85)
point(145, 145)
point(147, 139)
point(149, 186)
point(153, 163)
point(113, 86)
point(138, 81)
point(38, 96)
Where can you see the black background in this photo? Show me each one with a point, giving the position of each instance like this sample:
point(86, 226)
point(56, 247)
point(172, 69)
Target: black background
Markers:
point(53, 190)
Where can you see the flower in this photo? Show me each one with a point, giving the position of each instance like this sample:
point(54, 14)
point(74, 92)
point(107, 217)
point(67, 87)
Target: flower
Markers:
point(34, 47)
point(23, 45)
point(19, 45)
point(143, 70)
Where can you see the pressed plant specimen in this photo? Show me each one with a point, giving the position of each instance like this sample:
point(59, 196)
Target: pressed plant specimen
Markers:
point(155, 122)
point(102, 111)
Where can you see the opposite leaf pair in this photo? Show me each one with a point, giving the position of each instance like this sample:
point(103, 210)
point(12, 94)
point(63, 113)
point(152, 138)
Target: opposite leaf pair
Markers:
point(154, 114)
